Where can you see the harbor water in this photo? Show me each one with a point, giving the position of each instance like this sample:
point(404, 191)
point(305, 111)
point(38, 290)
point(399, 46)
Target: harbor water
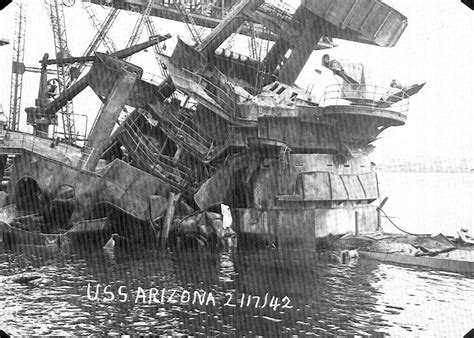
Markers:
point(265, 292)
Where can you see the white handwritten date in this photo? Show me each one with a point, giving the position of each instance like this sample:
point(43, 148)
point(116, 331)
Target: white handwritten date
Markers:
point(258, 302)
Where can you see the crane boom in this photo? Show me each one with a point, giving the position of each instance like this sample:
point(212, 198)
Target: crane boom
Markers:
point(189, 22)
point(101, 33)
point(99, 36)
point(106, 40)
point(137, 30)
point(156, 48)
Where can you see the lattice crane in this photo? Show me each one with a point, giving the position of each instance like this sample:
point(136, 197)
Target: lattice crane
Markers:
point(156, 48)
point(137, 30)
point(18, 67)
point(103, 28)
point(101, 35)
point(56, 14)
point(189, 22)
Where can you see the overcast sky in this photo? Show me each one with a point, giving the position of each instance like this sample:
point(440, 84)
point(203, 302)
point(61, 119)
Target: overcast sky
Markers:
point(437, 47)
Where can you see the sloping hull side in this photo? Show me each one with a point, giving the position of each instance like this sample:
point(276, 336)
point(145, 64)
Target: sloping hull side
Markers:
point(118, 184)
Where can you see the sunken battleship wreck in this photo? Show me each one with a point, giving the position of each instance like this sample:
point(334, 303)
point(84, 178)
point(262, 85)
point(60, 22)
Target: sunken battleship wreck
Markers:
point(221, 129)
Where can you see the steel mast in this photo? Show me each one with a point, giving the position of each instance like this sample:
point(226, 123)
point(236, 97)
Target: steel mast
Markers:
point(18, 68)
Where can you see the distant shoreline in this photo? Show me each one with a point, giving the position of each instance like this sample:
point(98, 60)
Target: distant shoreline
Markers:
point(418, 169)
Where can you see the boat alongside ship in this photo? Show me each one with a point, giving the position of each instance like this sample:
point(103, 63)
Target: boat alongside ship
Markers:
point(453, 254)
point(220, 129)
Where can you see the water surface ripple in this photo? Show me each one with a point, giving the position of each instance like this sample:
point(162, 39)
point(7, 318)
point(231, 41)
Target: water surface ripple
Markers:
point(365, 297)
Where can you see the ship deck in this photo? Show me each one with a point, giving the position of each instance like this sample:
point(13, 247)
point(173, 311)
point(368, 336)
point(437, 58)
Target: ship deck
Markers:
point(17, 143)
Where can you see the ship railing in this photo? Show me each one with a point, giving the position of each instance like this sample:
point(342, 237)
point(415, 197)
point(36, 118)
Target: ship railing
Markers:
point(151, 158)
point(80, 137)
point(40, 144)
point(368, 96)
point(201, 7)
point(182, 126)
point(86, 155)
point(179, 124)
point(157, 80)
point(22, 141)
point(179, 120)
point(217, 94)
point(275, 11)
point(153, 78)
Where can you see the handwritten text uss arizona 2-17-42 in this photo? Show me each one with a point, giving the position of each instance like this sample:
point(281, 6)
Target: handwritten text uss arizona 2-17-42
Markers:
point(184, 297)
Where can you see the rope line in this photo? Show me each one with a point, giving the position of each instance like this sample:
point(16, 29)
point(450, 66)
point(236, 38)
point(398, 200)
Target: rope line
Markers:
point(396, 226)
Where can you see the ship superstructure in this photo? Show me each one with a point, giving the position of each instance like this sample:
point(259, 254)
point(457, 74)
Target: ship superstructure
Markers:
point(224, 128)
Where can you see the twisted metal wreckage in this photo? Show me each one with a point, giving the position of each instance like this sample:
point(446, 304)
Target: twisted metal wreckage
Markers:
point(222, 128)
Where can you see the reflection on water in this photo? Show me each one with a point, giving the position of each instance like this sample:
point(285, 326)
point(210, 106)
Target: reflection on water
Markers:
point(244, 292)
point(364, 297)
